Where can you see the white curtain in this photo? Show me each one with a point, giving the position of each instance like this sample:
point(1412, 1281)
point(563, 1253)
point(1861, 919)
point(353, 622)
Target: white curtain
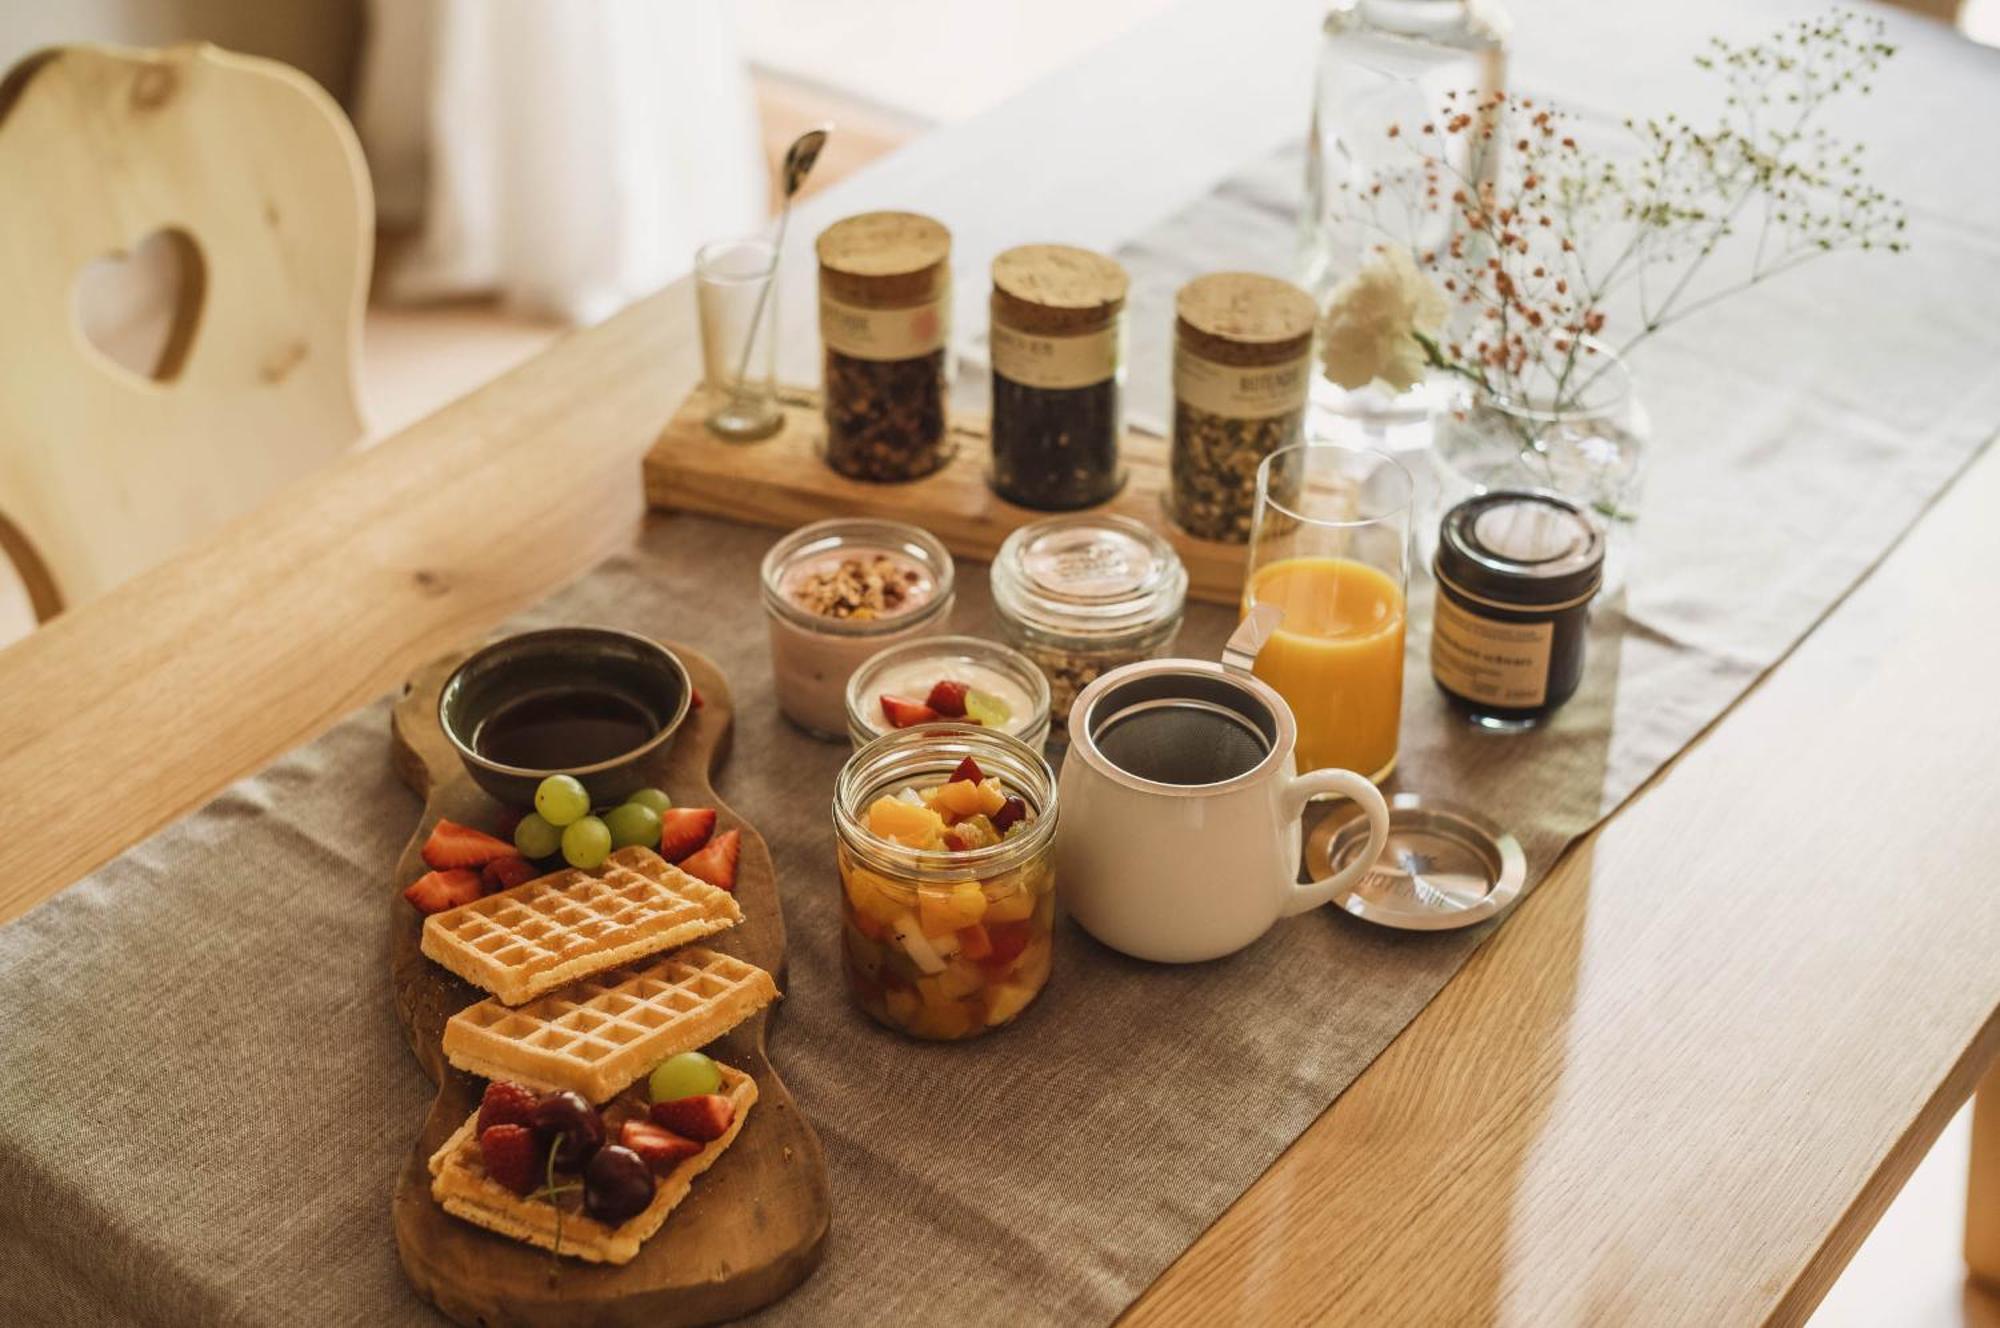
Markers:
point(568, 155)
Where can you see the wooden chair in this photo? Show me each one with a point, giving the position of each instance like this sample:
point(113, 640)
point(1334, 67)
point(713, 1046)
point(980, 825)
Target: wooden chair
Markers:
point(242, 173)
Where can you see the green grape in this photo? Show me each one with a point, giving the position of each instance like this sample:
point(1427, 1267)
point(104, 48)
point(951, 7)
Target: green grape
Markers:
point(586, 843)
point(656, 800)
point(987, 709)
point(689, 1074)
point(561, 799)
point(535, 837)
point(633, 823)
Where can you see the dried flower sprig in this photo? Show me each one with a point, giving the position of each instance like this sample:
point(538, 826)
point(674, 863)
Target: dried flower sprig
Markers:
point(1537, 251)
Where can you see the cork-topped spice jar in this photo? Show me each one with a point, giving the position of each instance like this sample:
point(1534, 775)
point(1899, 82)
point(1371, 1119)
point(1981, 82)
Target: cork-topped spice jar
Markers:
point(884, 322)
point(1058, 346)
point(1242, 365)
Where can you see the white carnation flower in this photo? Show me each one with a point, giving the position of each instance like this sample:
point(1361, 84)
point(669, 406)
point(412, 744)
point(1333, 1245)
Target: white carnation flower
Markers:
point(1370, 322)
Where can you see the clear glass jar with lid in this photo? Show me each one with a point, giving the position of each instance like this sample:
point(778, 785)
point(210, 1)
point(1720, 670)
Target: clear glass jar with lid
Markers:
point(1081, 595)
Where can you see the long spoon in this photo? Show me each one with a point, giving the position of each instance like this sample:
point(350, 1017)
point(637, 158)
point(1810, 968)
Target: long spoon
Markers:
point(800, 158)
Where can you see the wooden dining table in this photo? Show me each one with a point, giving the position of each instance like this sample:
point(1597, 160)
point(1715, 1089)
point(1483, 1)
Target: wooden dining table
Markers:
point(1678, 1086)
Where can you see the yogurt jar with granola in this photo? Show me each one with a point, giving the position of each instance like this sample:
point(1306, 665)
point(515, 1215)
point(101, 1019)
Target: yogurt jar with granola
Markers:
point(837, 592)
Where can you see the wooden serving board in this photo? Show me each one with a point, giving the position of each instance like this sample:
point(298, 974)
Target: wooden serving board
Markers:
point(752, 1228)
point(781, 482)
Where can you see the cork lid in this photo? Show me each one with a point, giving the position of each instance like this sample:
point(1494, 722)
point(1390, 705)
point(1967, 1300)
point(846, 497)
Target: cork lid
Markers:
point(885, 258)
point(1056, 289)
point(1244, 318)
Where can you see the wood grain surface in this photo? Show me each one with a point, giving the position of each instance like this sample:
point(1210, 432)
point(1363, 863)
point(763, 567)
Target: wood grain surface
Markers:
point(782, 482)
point(755, 1223)
point(1982, 1199)
point(1678, 1087)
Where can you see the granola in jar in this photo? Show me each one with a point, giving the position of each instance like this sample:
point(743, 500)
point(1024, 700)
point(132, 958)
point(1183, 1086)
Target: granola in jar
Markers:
point(1242, 367)
point(884, 322)
point(1081, 595)
point(1058, 350)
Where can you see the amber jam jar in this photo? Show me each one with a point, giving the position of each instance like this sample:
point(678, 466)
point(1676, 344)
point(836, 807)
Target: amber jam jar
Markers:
point(942, 944)
point(884, 324)
point(1516, 572)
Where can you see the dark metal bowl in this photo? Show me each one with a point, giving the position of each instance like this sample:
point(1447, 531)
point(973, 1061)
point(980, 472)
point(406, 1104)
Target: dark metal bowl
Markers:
point(640, 671)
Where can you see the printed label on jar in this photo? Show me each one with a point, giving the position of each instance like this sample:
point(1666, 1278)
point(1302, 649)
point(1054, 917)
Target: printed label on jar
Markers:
point(1499, 664)
point(883, 334)
point(1241, 392)
point(1058, 362)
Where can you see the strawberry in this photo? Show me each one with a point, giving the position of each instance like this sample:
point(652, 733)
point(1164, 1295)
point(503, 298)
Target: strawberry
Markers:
point(705, 1116)
point(660, 1147)
point(684, 829)
point(716, 864)
point(510, 1156)
point(506, 1104)
point(694, 698)
point(454, 845)
point(510, 818)
point(969, 771)
point(506, 873)
point(434, 892)
point(948, 699)
point(903, 713)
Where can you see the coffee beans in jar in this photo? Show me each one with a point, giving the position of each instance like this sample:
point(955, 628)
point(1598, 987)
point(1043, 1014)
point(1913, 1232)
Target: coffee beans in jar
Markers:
point(884, 323)
point(1242, 365)
point(1058, 347)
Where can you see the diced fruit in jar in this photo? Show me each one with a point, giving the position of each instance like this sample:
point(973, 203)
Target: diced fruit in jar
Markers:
point(910, 935)
point(1007, 1000)
point(910, 826)
point(967, 769)
point(944, 909)
point(1012, 812)
point(963, 797)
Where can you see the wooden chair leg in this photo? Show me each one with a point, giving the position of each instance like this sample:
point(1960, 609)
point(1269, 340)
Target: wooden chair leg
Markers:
point(1982, 1200)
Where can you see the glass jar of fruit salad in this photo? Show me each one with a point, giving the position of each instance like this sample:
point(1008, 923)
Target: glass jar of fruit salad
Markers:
point(1082, 595)
point(949, 680)
point(836, 592)
point(947, 880)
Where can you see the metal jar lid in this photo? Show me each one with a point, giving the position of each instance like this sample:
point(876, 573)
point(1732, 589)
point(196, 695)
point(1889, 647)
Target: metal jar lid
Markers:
point(1442, 867)
point(1520, 549)
point(1088, 575)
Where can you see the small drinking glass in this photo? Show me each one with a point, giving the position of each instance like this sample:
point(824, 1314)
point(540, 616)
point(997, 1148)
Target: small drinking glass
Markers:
point(1330, 549)
point(734, 292)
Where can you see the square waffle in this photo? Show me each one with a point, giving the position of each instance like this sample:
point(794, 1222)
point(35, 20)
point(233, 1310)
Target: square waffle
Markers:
point(555, 929)
point(459, 1182)
point(597, 1035)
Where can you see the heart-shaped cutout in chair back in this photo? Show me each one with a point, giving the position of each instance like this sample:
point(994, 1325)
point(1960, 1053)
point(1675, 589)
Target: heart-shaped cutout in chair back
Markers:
point(139, 308)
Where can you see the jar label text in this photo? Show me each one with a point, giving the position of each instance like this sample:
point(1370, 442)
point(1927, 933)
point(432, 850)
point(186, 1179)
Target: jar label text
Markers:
point(1494, 663)
point(1241, 392)
point(883, 334)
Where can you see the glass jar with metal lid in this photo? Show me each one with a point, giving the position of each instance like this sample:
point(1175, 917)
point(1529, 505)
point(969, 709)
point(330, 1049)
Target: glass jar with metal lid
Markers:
point(1516, 571)
point(885, 324)
point(1058, 346)
point(1081, 595)
point(1242, 367)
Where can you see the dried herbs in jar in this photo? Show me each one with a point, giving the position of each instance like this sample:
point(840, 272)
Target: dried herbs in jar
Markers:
point(1058, 344)
point(1242, 366)
point(884, 321)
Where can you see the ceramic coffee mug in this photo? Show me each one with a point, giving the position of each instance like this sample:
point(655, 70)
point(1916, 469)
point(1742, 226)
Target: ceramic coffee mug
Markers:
point(1180, 838)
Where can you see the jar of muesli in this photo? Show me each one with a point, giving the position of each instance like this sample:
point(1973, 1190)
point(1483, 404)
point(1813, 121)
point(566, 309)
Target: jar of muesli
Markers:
point(884, 322)
point(1242, 366)
point(1058, 347)
point(1081, 595)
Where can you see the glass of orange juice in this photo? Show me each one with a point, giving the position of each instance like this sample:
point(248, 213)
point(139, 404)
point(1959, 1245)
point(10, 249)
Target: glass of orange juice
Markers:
point(1330, 549)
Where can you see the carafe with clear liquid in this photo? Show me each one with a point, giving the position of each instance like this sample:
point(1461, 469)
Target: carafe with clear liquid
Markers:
point(1383, 65)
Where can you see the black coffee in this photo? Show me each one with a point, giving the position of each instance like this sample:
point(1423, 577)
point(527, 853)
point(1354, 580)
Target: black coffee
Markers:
point(556, 730)
point(1182, 742)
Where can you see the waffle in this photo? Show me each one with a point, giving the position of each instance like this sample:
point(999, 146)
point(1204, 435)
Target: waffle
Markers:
point(459, 1182)
point(598, 1035)
point(555, 929)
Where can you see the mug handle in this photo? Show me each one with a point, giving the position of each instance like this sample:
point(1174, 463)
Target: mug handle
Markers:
point(1349, 785)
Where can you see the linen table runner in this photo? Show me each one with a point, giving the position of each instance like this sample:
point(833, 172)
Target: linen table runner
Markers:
point(205, 1097)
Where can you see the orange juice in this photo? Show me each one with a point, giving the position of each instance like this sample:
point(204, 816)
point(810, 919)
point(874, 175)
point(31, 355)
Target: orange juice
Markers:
point(1336, 658)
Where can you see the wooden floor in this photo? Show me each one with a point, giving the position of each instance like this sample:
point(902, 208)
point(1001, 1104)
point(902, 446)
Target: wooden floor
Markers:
point(1909, 1273)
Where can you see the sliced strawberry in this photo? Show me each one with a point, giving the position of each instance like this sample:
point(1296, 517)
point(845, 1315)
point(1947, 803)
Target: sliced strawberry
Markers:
point(434, 892)
point(454, 845)
point(660, 1147)
point(509, 1154)
point(684, 829)
point(694, 698)
point(506, 873)
point(705, 1116)
point(506, 1103)
point(716, 864)
point(903, 713)
point(948, 699)
point(969, 770)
